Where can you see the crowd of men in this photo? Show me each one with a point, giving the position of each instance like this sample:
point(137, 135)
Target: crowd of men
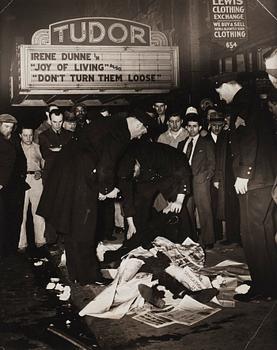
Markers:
point(214, 168)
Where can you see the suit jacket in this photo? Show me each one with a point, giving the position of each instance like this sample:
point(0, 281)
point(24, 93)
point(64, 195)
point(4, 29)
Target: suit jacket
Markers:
point(203, 159)
point(159, 128)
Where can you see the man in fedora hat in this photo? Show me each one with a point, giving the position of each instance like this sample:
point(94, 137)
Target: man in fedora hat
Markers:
point(160, 115)
point(254, 168)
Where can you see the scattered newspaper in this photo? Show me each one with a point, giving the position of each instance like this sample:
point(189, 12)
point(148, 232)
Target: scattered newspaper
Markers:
point(153, 319)
point(117, 299)
point(188, 253)
point(187, 312)
point(229, 268)
point(190, 279)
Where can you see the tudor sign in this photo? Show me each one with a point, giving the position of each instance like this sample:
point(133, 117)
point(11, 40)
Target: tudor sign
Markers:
point(96, 55)
point(100, 31)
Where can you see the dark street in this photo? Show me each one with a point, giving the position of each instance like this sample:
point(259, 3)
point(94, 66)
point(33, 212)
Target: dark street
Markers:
point(30, 314)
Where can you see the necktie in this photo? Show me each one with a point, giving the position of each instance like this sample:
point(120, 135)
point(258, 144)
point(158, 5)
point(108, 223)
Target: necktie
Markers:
point(189, 149)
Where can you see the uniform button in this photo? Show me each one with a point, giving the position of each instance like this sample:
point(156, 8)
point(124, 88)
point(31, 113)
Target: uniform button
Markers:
point(230, 141)
point(248, 172)
point(250, 168)
point(93, 171)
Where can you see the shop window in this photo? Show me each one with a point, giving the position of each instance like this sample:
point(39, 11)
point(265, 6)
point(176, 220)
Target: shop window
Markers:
point(240, 62)
point(228, 64)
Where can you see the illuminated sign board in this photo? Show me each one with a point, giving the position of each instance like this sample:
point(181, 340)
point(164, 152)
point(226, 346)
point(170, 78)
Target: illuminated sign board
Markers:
point(229, 23)
point(99, 31)
point(72, 68)
point(97, 55)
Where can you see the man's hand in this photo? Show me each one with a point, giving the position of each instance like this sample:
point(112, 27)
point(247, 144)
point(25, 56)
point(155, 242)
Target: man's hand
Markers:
point(239, 122)
point(241, 185)
point(113, 193)
point(216, 185)
point(131, 227)
point(177, 205)
point(131, 231)
point(101, 197)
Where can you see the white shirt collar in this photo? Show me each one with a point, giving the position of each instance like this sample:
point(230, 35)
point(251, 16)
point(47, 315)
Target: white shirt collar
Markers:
point(214, 136)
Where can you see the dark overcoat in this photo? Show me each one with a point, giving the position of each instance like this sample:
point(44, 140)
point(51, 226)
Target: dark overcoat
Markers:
point(84, 167)
point(14, 166)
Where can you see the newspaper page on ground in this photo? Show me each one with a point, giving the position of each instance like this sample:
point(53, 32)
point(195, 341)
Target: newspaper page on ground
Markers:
point(187, 312)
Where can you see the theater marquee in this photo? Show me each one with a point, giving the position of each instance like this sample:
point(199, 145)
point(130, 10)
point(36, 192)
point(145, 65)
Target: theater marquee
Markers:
point(97, 55)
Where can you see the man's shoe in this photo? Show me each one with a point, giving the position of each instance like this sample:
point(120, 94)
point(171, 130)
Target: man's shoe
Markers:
point(150, 296)
point(251, 295)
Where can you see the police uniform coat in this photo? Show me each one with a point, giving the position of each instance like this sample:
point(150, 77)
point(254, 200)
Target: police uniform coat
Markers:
point(163, 169)
point(254, 158)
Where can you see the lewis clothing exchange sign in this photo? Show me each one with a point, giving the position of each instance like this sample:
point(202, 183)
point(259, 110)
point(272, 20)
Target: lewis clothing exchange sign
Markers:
point(97, 55)
point(229, 23)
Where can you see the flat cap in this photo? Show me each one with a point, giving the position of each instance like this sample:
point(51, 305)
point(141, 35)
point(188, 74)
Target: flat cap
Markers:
point(7, 118)
point(191, 110)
